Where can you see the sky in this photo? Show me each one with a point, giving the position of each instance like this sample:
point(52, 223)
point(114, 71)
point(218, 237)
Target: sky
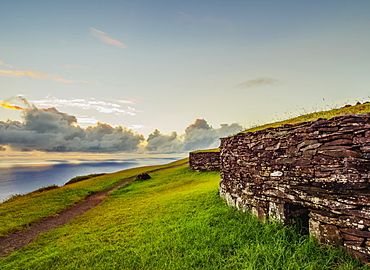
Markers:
point(170, 76)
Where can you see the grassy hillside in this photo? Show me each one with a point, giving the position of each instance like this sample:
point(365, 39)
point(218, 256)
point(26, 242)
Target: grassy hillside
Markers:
point(176, 220)
point(21, 210)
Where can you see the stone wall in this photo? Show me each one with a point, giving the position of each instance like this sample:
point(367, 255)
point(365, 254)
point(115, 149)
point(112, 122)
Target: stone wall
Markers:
point(317, 171)
point(204, 161)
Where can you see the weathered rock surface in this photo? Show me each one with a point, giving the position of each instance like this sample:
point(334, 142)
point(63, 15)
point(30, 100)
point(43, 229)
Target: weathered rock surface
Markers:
point(142, 176)
point(318, 169)
point(204, 161)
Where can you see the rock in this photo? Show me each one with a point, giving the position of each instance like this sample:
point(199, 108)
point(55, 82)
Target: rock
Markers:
point(350, 237)
point(361, 140)
point(355, 232)
point(204, 161)
point(142, 176)
point(339, 142)
point(276, 174)
point(331, 234)
point(358, 255)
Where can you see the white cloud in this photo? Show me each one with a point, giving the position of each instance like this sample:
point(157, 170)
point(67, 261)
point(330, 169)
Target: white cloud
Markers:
point(135, 127)
point(125, 101)
point(105, 38)
point(86, 104)
point(85, 120)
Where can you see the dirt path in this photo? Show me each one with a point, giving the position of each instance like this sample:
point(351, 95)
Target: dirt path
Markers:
point(17, 240)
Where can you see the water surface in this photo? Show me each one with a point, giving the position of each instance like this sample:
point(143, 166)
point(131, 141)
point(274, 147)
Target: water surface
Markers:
point(21, 179)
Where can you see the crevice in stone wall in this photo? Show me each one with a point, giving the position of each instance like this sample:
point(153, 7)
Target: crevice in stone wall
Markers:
point(298, 215)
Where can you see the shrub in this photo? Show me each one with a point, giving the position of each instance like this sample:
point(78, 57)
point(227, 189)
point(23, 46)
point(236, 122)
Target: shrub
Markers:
point(83, 177)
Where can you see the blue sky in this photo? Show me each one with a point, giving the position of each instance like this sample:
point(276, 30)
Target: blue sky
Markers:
point(163, 64)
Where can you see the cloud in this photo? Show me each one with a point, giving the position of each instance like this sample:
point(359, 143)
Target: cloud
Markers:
point(85, 120)
point(157, 142)
point(136, 126)
point(51, 130)
point(7, 65)
point(105, 38)
point(8, 106)
point(20, 100)
point(257, 82)
point(34, 75)
point(123, 101)
point(199, 135)
point(86, 104)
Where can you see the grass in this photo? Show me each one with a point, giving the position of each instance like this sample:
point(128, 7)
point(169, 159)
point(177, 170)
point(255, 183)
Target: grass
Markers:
point(346, 110)
point(21, 210)
point(83, 177)
point(37, 191)
point(176, 220)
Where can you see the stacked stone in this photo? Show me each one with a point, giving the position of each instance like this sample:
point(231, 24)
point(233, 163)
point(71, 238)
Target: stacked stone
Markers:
point(204, 161)
point(319, 170)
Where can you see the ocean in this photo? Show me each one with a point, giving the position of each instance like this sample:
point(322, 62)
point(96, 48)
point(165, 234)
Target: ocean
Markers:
point(22, 179)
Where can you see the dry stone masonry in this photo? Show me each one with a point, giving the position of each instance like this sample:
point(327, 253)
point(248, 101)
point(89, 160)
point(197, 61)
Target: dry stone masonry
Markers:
point(316, 171)
point(204, 161)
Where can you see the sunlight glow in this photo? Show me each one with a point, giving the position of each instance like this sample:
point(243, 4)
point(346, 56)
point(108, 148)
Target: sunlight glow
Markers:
point(8, 106)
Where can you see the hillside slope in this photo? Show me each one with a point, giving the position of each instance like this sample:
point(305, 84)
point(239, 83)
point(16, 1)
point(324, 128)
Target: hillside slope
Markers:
point(20, 211)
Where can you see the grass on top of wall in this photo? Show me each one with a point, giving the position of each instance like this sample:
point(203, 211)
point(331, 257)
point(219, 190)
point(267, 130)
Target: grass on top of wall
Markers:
point(176, 220)
point(21, 210)
point(347, 110)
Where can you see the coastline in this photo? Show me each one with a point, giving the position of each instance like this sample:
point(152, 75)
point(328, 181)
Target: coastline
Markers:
point(25, 177)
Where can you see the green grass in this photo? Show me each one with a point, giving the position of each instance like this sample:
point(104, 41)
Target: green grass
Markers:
point(176, 220)
point(83, 177)
point(347, 110)
point(21, 210)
